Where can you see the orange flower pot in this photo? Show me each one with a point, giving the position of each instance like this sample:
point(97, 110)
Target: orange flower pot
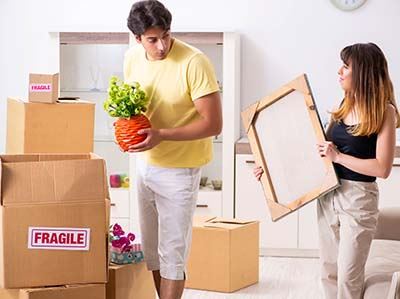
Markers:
point(126, 130)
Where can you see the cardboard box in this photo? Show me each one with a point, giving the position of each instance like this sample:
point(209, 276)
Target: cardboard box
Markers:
point(43, 88)
point(130, 282)
point(64, 127)
point(88, 291)
point(224, 254)
point(52, 220)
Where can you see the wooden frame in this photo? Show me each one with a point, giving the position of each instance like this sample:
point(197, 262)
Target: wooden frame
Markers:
point(283, 142)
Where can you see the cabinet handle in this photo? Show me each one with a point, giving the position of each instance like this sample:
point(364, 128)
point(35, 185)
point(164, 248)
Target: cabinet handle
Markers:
point(201, 206)
point(250, 161)
point(113, 204)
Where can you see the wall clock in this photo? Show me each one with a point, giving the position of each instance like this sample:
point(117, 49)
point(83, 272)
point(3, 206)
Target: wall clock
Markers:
point(348, 5)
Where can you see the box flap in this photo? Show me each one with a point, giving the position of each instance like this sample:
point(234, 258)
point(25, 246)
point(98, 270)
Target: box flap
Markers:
point(18, 100)
point(28, 179)
point(199, 221)
point(72, 101)
point(227, 223)
point(231, 220)
point(45, 157)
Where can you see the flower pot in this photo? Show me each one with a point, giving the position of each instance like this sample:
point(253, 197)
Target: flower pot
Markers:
point(125, 257)
point(126, 130)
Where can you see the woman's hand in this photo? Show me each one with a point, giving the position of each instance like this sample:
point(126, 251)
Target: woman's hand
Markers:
point(328, 149)
point(258, 171)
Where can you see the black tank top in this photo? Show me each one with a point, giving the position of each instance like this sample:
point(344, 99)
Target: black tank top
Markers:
point(363, 147)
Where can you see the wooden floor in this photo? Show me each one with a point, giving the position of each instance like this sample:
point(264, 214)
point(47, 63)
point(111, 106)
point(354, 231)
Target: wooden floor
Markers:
point(280, 278)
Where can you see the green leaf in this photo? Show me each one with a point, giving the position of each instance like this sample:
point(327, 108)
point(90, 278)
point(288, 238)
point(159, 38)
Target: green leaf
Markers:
point(124, 100)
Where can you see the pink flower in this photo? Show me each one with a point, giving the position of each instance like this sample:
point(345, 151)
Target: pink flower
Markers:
point(131, 237)
point(117, 230)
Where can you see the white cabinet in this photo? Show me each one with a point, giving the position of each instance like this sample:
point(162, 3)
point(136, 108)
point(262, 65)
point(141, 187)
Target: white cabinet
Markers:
point(251, 204)
point(209, 202)
point(308, 226)
point(293, 235)
point(120, 207)
point(389, 189)
point(88, 59)
point(297, 233)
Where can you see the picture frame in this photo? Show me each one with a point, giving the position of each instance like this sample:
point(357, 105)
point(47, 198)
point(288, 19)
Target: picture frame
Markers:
point(283, 129)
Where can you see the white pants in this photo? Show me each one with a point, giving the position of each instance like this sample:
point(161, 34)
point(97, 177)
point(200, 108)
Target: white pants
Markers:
point(166, 201)
point(347, 219)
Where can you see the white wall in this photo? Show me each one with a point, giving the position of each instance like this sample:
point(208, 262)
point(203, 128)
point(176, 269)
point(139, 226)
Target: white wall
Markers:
point(280, 39)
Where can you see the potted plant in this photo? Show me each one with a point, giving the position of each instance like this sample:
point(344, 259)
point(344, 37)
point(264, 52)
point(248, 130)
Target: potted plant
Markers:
point(127, 102)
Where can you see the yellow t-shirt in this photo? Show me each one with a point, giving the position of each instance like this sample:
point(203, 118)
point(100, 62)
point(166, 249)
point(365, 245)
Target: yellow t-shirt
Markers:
point(172, 84)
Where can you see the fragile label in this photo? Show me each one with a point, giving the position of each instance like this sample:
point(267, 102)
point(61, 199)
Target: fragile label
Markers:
point(40, 87)
point(58, 238)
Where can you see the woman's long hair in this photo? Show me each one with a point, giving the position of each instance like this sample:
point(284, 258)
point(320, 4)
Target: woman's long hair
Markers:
point(371, 90)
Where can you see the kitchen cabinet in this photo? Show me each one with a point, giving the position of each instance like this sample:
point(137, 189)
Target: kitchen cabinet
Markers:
point(297, 233)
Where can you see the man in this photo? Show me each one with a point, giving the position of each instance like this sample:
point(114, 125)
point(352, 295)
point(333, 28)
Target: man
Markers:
point(184, 110)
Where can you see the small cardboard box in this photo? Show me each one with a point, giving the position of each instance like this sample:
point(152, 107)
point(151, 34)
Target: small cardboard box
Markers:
point(64, 127)
point(84, 291)
point(43, 88)
point(52, 220)
point(130, 281)
point(224, 254)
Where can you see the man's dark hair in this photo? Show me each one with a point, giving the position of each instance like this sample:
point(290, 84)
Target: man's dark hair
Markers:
point(146, 14)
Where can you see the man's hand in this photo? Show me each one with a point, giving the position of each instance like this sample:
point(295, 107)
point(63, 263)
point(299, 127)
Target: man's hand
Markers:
point(153, 138)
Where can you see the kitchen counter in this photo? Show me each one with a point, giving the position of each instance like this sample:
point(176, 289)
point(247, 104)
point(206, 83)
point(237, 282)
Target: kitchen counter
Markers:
point(242, 147)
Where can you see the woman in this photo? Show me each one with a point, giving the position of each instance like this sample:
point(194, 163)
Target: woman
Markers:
point(361, 145)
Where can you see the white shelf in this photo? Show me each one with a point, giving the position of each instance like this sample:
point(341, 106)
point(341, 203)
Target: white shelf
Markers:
point(120, 189)
point(101, 90)
point(104, 138)
point(209, 189)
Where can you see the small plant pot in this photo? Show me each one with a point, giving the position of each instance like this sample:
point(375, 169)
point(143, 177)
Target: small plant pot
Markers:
point(126, 130)
point(217, 184)
point(203, 181)
point(129, 257)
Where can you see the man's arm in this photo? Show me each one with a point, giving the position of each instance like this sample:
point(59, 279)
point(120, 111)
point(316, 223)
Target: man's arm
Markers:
point(209, 124)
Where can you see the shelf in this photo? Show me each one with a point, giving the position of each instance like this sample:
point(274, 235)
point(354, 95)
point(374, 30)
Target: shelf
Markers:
point(104, 138)
point(208, 189)
point(101, 90)
point(121, 189)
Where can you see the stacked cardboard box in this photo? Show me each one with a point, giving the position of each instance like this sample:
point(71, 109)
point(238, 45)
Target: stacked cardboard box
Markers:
point(64, 127)
point(53, 223)
point(43, 88)
point(88, 291)
point(129, 282)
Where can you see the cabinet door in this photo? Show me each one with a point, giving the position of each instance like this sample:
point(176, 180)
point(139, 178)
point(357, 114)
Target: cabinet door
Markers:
point(389, 189)
point(209, 203)
point(251, 204)
point(308, 226)
point(119, 202)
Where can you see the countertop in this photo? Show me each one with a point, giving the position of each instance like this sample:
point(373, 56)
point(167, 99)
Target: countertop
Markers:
point(242, 147)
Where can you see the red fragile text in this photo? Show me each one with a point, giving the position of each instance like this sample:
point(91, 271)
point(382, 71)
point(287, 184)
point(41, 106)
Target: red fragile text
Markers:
point(40, 87)
point(59, 238)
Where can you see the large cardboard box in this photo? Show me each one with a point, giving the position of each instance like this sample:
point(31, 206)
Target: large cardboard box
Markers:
point(52, 220)
point(64, 127)
point(224, 254)
point(84, 291)
point(130, 282)
point(43, 88)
